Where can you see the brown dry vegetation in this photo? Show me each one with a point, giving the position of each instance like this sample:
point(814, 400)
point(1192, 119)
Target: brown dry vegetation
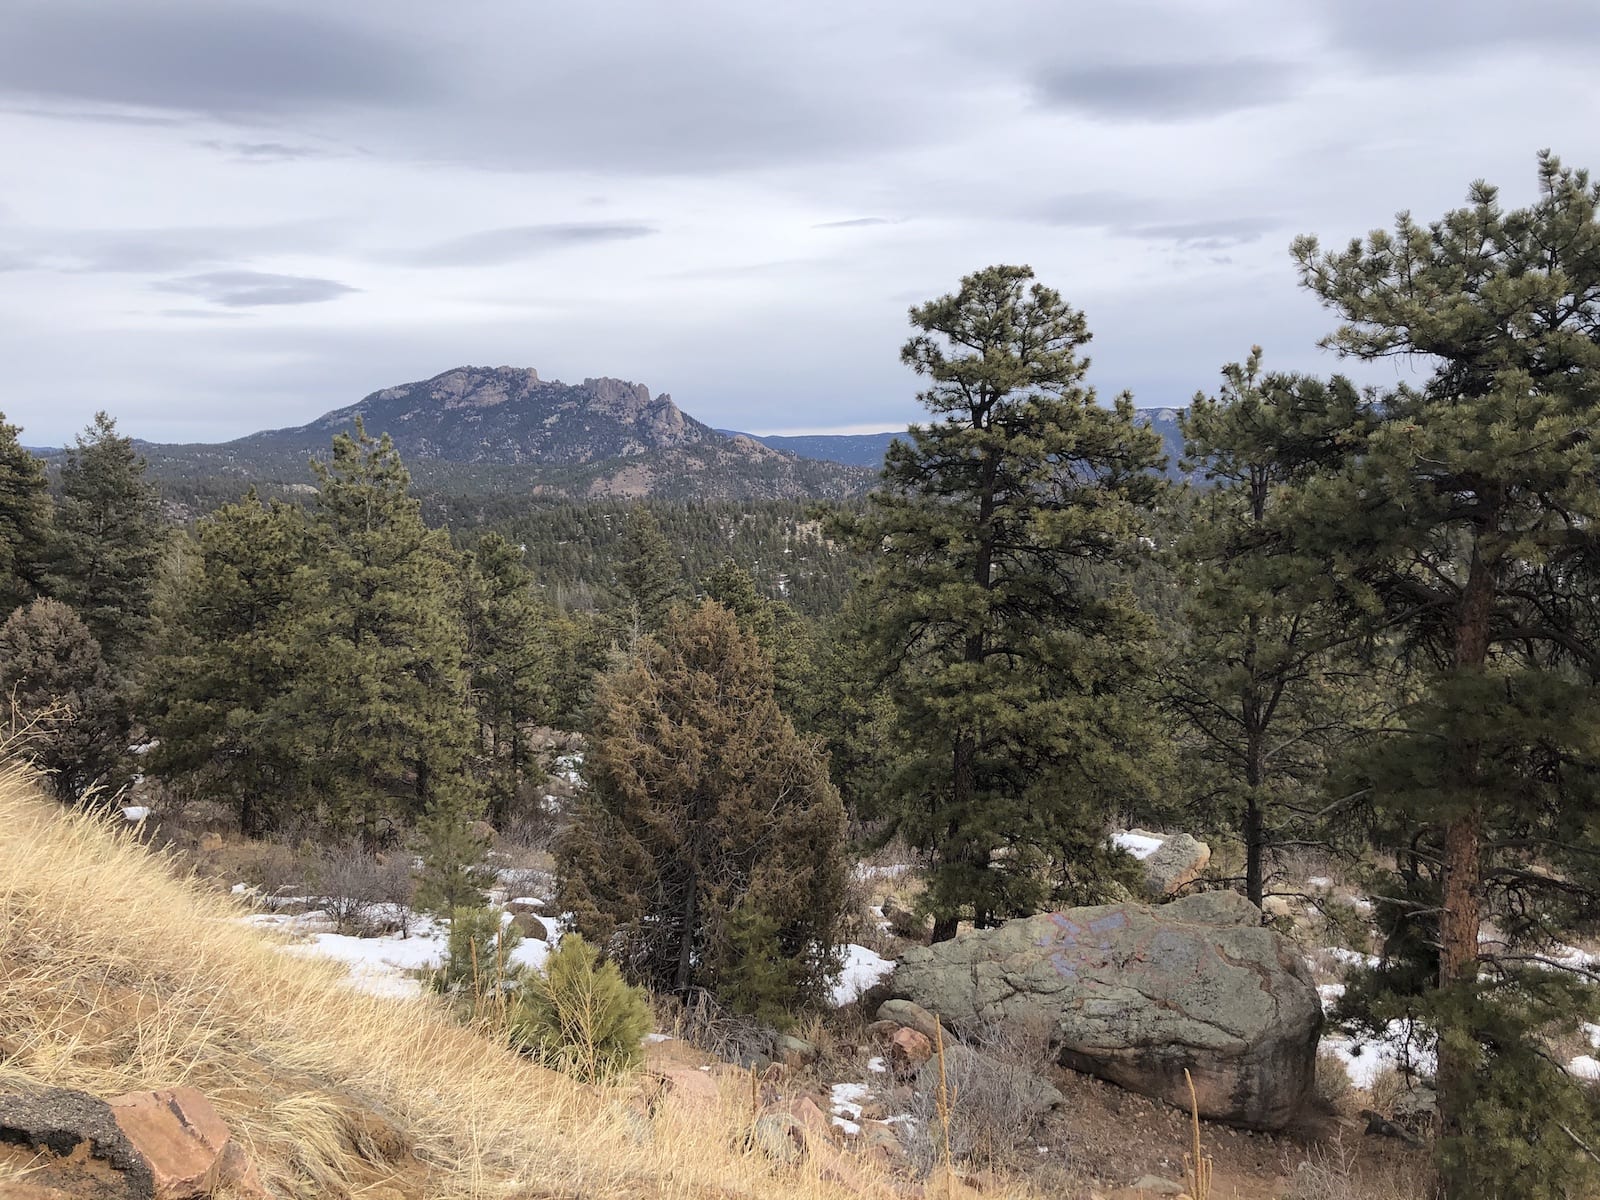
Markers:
point(116, 974)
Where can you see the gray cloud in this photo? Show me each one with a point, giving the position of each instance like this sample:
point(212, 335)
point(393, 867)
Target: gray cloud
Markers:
point(220, 59)
point(264, 152)
point(1166, 91)
point(1402, 37)
point(492, 246)
point(857, 223)
point(253, 289)
point(1206, 235)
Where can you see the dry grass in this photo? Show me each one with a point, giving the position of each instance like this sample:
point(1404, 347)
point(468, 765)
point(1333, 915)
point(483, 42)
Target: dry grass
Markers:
point(115, 975)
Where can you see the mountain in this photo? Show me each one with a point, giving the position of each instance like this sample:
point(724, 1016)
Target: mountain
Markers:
point(473, 430)
point(868, 449)
point(851, 449)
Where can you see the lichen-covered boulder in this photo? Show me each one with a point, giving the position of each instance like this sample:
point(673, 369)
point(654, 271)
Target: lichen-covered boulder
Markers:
point(1178, 862)
point(1137, 994)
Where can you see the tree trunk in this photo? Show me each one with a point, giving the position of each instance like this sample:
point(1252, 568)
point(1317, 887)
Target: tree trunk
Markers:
point(680, 982)
point(1463, 846)
point(1254, 836)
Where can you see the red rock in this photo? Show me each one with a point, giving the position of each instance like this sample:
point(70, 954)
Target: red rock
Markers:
point(908, 1050)
point(687, 1086)
point(185, 1143)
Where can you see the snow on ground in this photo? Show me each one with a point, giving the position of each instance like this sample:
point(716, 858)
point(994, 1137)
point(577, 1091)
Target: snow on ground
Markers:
point(1136, 844)
point(872, 871)
point(1351, 958)
point(389, 965)
point(862, 969)
point(844, 1101)
point(135, 812)
point(1585, 1066)
point(1364, 1059)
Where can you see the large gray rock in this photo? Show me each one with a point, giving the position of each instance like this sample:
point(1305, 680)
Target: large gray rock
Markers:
point(1136, 994)
point(1178, 862)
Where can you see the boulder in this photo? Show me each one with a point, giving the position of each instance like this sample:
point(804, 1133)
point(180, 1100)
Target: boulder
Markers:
point(65, 1124)
point(530, 926)
point(794, 1052)
point(1177, 863)
point(911, 1016)
point(908, 1050)
point(1137, 994)
point(185, 1143)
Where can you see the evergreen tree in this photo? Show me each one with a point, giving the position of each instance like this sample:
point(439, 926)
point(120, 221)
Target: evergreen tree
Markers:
point(381, 692)
point(1014, 679)
point(710, 832)
point(56, 696)
point(219, 702)
point(783, 635)
point(107, 540)
point(1254, 676)
point(24, 520)
point(650, 578)
point(1466, 514)
point(509, 653)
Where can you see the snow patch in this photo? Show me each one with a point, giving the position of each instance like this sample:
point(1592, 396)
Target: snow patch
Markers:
point(1139, 845)
point(862, 969)
point(845, 1101)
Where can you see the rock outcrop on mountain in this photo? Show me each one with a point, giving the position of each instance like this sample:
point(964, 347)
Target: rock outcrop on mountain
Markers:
point(510, 415)
point(491, 430)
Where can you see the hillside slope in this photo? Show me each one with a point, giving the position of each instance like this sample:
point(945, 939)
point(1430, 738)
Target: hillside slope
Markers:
point(115, 975)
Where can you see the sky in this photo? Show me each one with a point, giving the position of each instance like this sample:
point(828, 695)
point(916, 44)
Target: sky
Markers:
point(218, 217)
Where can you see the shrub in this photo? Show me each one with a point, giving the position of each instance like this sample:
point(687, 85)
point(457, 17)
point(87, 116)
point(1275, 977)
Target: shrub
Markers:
point(578, 1015)
point(355, 887)
point(477, 968)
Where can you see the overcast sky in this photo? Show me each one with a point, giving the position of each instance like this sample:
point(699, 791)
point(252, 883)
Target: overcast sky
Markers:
point(218, 216)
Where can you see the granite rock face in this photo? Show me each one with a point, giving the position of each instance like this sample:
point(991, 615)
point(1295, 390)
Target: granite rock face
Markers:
point(1137, 994)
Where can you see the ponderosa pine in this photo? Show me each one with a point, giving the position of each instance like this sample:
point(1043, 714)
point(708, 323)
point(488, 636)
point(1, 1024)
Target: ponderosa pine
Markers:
point(1015, 682)
point(1468, 514)
point(107, 541)
point(24, 520)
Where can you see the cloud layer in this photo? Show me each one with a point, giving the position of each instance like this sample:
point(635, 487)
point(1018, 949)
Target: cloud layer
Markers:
point(220, 217)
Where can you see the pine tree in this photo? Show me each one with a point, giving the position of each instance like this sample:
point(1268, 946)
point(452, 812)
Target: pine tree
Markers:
point(1467, 515)
point(381, 691)
point(509, 655)
point(24, 520)
point(782, 633)
point(107, 541)
point(219, 703)
point(650, 578)
point(709, 825)
point(56, 696)
point(1256, 677)
point(1014, 680)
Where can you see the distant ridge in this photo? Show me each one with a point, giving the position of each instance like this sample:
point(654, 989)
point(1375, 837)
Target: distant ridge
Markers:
point(868, 449)
point(477, 430)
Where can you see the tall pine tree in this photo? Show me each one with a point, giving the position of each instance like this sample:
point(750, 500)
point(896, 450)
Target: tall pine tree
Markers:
point(1014, 680)
point(1255, 676)
point(219, 703)
point(107, 541)
point(24, 520)
point(1469, 510)
point(509, 656)
point(382, 688)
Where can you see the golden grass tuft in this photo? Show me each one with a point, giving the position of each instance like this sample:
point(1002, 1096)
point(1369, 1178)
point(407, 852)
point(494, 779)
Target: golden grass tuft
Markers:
point(116, 974)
